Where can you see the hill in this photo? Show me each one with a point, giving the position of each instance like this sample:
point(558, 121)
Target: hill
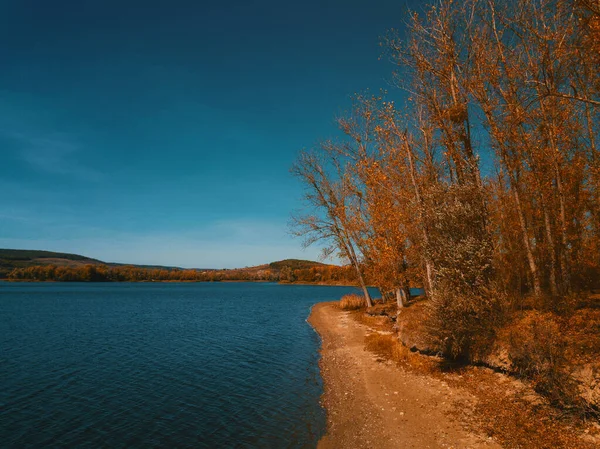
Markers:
point(49, 265)
point(296, 264)
point(23, 258)
point(26, 255)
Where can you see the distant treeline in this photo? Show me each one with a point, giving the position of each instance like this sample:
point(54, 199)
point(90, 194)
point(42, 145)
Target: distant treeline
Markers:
point(103, 273)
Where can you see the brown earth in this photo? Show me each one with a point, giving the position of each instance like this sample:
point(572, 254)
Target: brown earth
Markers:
point(373, 403)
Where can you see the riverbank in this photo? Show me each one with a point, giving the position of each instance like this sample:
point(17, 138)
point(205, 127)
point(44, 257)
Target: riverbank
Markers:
point(371, 402)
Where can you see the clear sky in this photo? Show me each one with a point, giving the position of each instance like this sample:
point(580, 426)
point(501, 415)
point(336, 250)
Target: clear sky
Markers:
point(162, 131)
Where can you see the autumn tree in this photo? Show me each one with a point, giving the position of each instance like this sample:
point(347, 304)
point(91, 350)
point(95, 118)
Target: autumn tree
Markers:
point(329, 219)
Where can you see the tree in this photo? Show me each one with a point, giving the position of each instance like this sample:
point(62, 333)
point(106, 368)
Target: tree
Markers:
point(329, 220)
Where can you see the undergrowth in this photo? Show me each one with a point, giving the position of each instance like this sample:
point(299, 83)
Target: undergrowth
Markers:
point(514, 415)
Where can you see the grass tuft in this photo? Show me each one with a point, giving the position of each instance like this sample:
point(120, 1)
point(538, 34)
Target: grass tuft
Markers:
point(352, 302)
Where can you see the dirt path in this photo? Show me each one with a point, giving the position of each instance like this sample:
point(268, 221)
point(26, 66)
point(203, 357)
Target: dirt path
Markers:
point(375, 404)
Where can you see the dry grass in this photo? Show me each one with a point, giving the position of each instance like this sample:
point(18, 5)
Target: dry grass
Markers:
point(388, 347)
point(384, 342)
point(536, 347)
point(582, 333)
point(378, 322)
point(547, 348)
point(381, 344)
point(513, 414)
point(507, 409)
point(352, 302)
point(381, 308)
point(516, 417)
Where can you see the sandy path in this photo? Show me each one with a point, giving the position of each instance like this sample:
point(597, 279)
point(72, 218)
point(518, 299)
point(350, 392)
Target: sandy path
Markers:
point(374, 404)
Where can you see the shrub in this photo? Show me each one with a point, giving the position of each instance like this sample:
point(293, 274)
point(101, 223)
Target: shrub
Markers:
point(463, 324)
point(535, 344)
point(352, 302)
point(536, 348)
point(381, 344)
point(464, 309)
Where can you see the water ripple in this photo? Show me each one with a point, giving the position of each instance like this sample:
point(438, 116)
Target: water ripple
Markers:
point(159, 365)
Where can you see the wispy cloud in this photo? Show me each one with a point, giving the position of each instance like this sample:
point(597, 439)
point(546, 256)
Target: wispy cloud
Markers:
point(13, 217)
point(55, 154)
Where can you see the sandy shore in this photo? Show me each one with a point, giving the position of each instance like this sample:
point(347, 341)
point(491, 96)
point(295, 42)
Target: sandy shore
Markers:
point(371, 403)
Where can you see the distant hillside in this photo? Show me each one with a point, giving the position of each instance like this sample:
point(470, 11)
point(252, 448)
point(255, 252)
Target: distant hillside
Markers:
point(24, 260)
point(32, 254)
point(151, 267)
point(295, 264)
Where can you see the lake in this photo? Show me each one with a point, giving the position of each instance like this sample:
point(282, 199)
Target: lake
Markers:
point(203, 365)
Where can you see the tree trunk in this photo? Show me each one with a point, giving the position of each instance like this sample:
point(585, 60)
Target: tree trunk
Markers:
point(429, 281)
point(537, 288)
point(384, 296)
point(361, 280)
point(400, 298)
point(366, 292)
point(553, 284)
point(351, 254)
point(428, 268)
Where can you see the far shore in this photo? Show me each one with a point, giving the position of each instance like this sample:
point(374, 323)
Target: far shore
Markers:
point(228, 281)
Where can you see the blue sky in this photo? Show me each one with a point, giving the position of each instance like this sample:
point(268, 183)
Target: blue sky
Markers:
point(162, 132)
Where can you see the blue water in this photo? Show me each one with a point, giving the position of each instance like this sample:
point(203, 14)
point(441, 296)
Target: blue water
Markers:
point(160, 365)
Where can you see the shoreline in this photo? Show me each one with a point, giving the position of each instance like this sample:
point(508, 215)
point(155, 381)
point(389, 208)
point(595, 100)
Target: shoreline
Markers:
point(374, 403)
point(229, 281)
